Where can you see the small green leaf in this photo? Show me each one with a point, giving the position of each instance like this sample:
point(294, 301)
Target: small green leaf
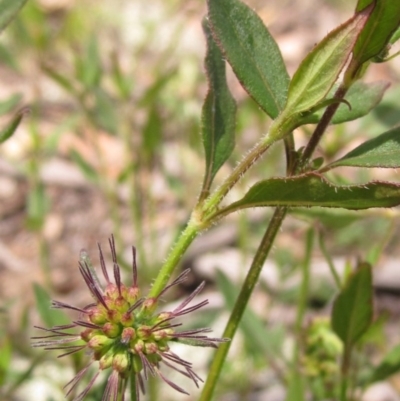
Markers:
point(152, 133)
point(319, 70)
point(8, 10)
point(352, 310)
point(388, 367)
point(296, 387)
point(313, 189)
point(51, 317)
point(88, 66)
point(383, 21)
point(121, 81)
point(103, 112)
point(38, 205)
point(218, 114)
point(251, 51)
point(395, 37)
point(331, 218)
point(382, 151)
point(61, 79)
point(152, 93)
point(5, 358)
point(7, 105)
point(89, 171)
point(10, 129)
point(361, 96)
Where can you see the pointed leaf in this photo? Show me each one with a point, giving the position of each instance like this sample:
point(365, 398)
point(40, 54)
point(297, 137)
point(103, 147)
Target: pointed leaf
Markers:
point(88, 66)
point(352, 310)
point(395, 37)
point(251, 51)
point(382, 151)
point(8, 10)
point(218, 114)
point(333, 219)
point(103, 112)
point(51, 317)
point(10, 129)
point(7, 105)
point(388, 367)
point(5, 358)
point(362, 98)
point(319, 70)
point(312, 189)
point(88, 170)
point(382, 23)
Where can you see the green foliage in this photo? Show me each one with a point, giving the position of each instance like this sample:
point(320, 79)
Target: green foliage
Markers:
point(388, 366)
point(9, 10)
point(218, 114)
point(50, 317)
point(8, 131)
point(382, 151)
point(252, 53)
point(383, 22)
point(352, 310)
point(319, 70)
point(143, 99)
point(361, 97)
point(312, 189)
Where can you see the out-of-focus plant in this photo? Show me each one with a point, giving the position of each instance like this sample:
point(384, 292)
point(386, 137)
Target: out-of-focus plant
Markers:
point(325, 89)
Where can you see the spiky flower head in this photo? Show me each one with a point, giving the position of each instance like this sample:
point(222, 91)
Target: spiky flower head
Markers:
point(124, 332)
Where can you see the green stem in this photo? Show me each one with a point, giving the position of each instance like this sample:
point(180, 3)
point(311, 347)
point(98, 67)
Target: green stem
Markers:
point(215, 199)
point(344, 373)
point(178, 250)
point(241, 303)
point(133, 386)
point(204, 210)
point(329, 260)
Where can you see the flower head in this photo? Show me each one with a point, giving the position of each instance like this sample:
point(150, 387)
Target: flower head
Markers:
point(124, 332)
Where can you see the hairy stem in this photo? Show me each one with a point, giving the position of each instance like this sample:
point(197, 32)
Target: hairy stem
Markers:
point(178, 250)
point(242, 301)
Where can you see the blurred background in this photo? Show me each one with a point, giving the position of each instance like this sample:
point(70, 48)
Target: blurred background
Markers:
point(111, 146)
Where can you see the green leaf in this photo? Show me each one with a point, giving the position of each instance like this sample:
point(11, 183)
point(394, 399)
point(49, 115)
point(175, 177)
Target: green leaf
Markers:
point(389, 366)
point(5, 358)
point(382, 23)
point(10, 129)
point(382, 151)
point(251, 51)
point(319, 70)
point(352, 309)
point(258, 337)
point(313, 189)
point(38, 205)
point(89, 172)
point(59, 78)
point(296, 387)
point(218, 113)
point(51, 317)
point(8, 10)
point(152, 133)
point(331, 218)
point(88, 66)
point(395, 37)
point(121, 81)
point(103, 112)
point(362, 98)
point(7, 105)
